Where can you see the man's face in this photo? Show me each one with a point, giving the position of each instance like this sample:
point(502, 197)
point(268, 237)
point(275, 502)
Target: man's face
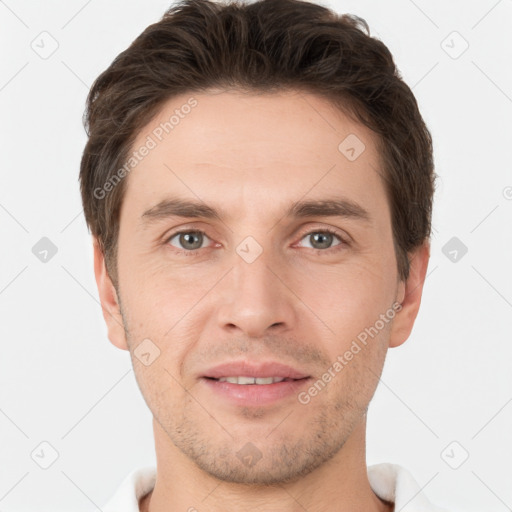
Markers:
point(257, 284)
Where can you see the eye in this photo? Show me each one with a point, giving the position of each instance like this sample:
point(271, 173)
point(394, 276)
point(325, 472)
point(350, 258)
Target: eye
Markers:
point(322, 239)
point(188, 240)
point(191, 241)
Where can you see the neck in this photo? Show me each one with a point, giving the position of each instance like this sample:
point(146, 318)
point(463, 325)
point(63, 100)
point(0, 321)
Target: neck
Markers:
point(340, 484)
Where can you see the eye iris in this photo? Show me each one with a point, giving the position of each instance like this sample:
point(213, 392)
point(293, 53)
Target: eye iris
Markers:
point(324, 239)
point(188, 238)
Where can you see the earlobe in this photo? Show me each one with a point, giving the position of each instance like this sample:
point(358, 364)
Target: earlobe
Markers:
point(409, 295)
point(109, 300)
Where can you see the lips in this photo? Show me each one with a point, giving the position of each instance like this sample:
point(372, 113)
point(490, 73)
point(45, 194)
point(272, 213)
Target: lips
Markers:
point(269, 369)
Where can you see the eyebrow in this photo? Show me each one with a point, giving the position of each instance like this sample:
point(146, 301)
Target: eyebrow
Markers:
point(190, 208)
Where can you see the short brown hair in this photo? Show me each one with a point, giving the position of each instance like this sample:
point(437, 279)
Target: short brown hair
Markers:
point(262, 46)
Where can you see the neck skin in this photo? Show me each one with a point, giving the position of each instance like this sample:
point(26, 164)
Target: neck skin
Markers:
point(340, 484)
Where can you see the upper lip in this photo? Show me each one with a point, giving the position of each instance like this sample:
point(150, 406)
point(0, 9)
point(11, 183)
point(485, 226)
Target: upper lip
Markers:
point(253, 369)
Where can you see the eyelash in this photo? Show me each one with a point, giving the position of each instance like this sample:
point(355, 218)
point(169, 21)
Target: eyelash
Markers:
point(194, 252)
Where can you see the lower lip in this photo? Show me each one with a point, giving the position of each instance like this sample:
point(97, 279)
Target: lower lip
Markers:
point(256, 394)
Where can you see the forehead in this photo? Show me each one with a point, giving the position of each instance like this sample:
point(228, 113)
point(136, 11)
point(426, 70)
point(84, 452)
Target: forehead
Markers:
point(252, 147)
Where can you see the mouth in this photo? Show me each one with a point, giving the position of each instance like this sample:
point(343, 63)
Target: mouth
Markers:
point(252, 391)
point(249, 381)
point(246, 384)
point(251, 372)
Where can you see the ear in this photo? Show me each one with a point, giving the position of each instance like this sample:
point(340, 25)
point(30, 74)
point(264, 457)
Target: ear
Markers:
point(409, 295)
point(109, 301)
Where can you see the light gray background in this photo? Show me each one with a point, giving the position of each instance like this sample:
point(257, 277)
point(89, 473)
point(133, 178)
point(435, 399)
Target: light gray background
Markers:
point(63, 383)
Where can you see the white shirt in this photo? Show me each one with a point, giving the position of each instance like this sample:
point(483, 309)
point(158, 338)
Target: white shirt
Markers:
point(390, 482)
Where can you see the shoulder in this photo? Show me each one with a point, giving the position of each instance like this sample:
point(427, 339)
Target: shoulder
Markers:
point(395, 483)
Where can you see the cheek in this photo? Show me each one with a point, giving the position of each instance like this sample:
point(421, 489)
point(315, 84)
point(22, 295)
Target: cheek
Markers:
point(154, 293)
point(158, 306)
point(159, 385)
point(347, 297)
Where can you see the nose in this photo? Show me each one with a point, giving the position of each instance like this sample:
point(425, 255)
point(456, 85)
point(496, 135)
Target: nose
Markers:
point(256, 299)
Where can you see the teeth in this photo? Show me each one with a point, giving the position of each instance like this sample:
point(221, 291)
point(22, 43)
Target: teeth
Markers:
point(251, 380)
